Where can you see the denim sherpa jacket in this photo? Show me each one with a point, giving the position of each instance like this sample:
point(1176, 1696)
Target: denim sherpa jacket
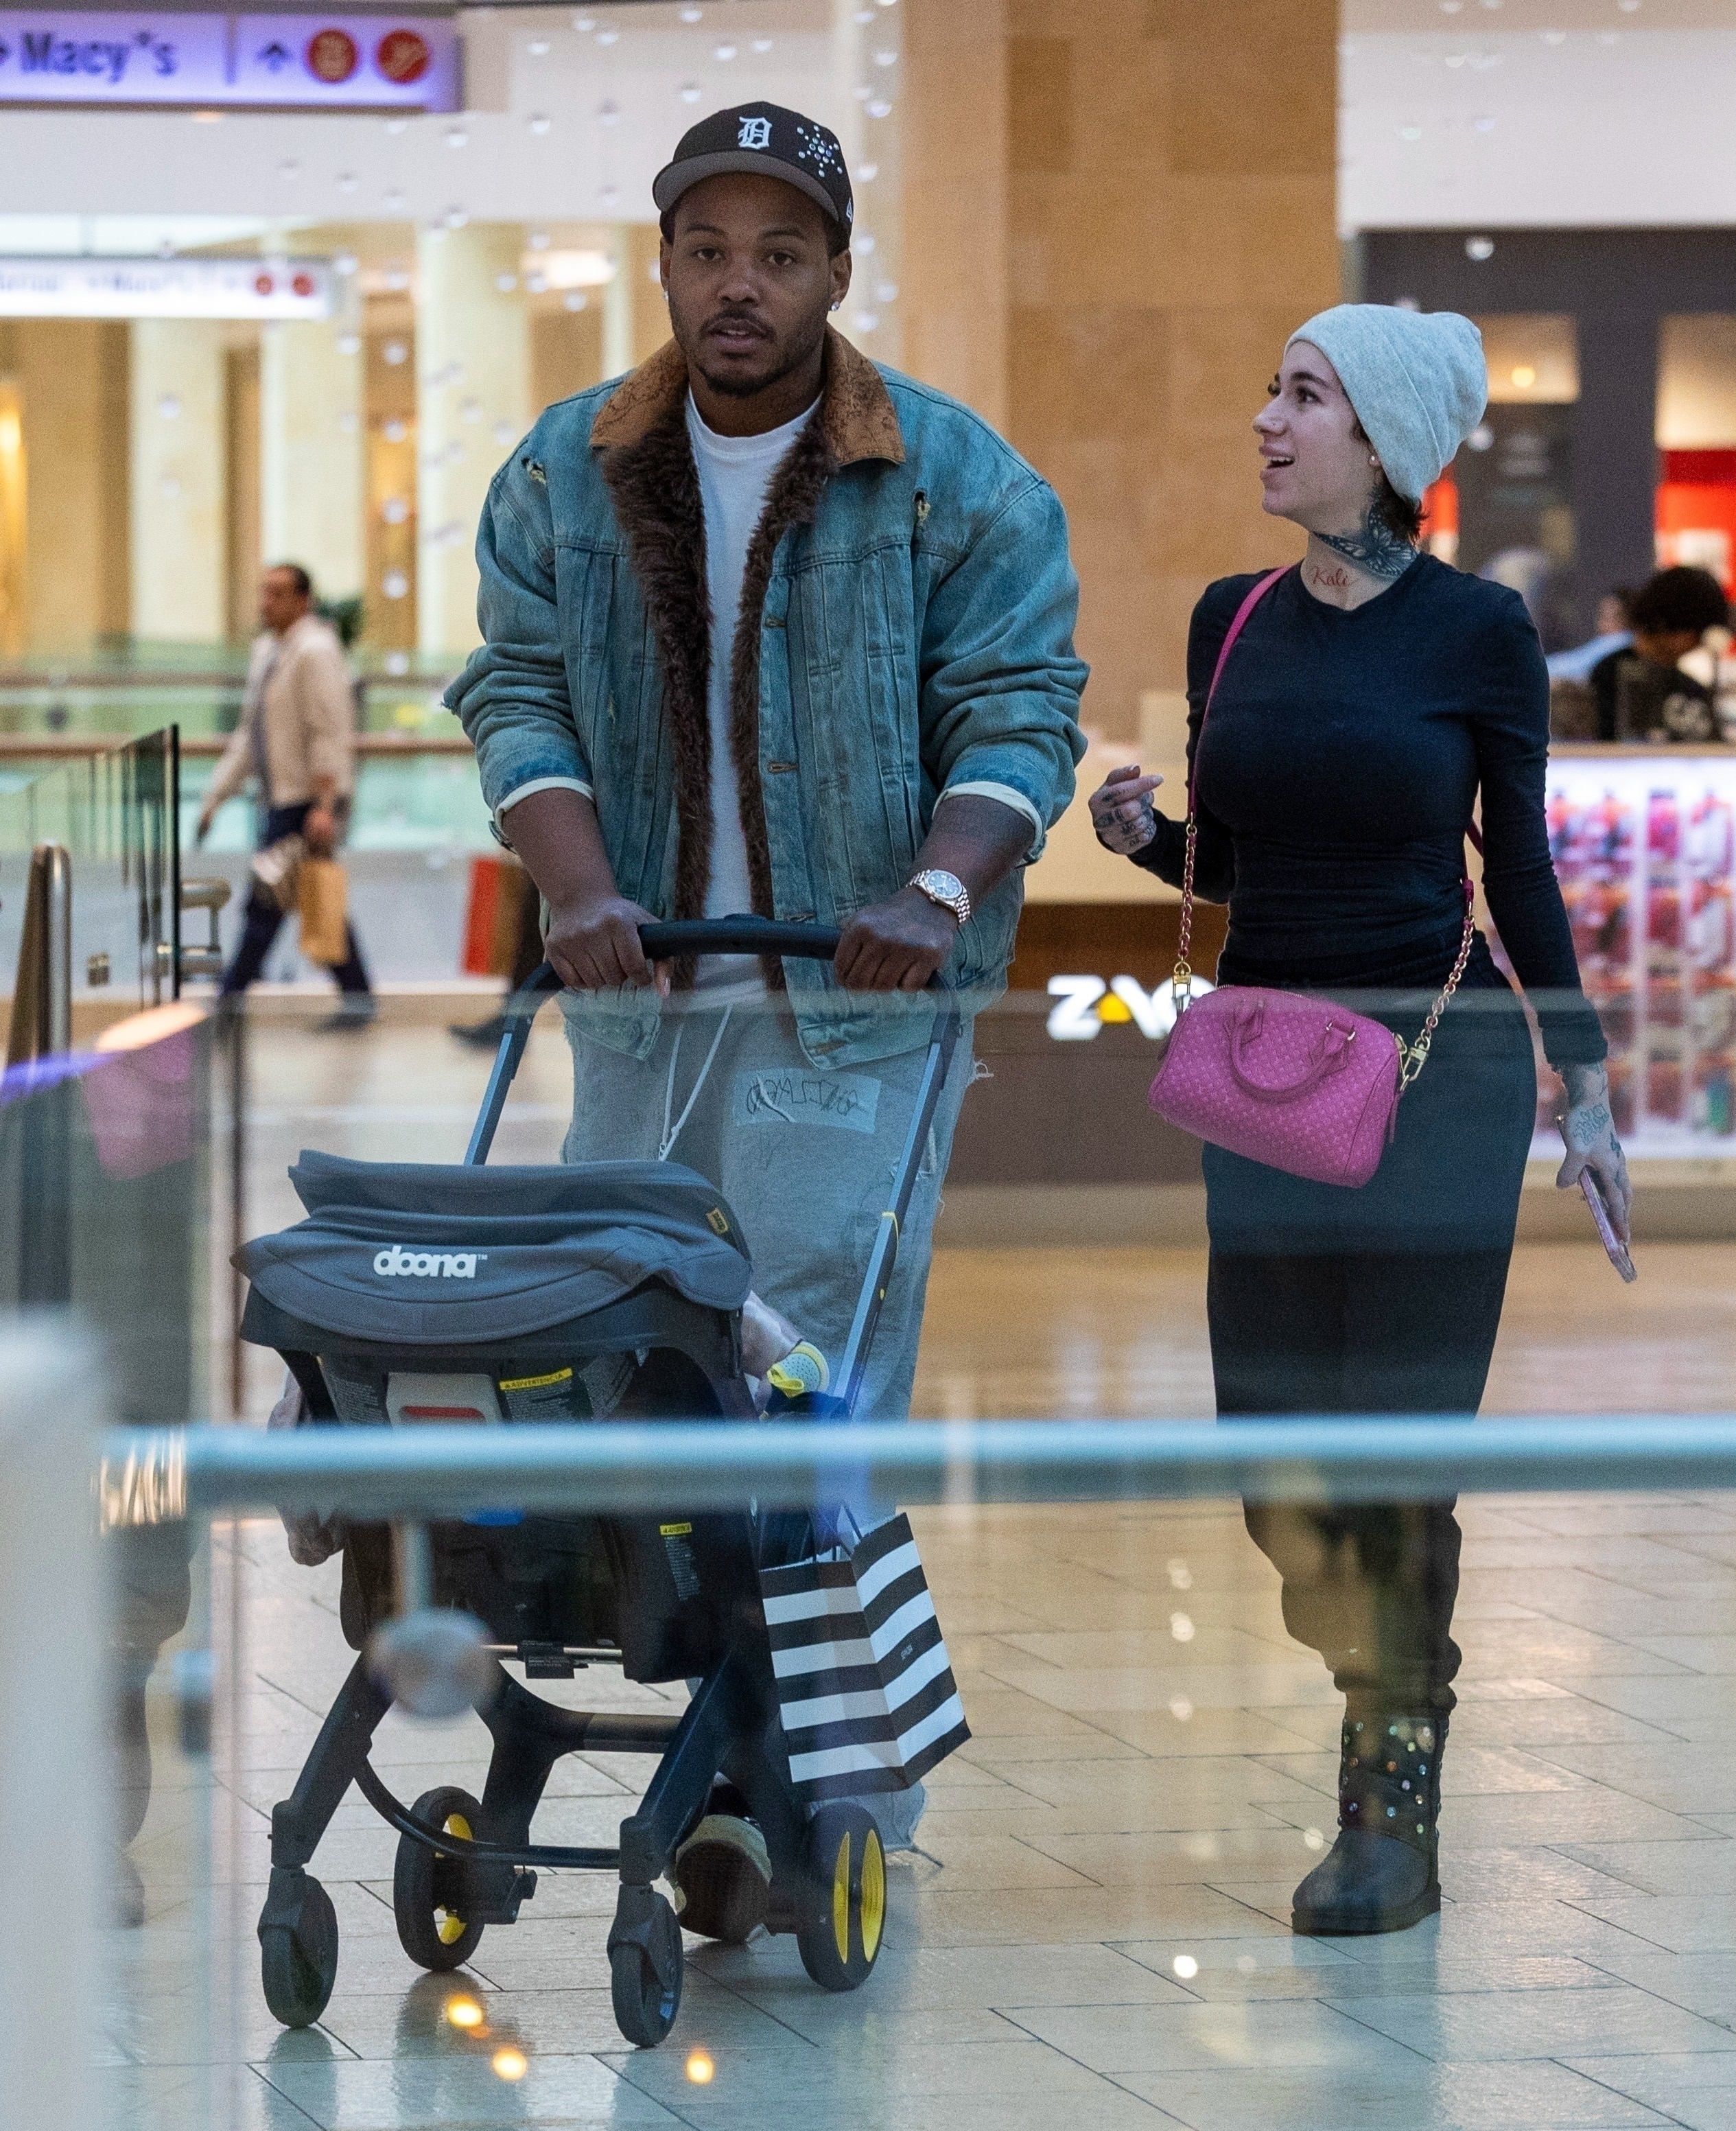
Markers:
point(906, 632)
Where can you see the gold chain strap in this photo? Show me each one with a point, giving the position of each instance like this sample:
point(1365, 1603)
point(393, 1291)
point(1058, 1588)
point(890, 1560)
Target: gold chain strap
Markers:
point(1415, 1056)
point(1181, 983)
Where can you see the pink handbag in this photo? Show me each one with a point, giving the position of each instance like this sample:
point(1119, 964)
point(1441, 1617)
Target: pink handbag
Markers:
point(1283, 1078)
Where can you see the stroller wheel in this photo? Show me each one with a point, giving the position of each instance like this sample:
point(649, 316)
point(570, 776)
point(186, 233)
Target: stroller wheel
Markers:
point(428, 1886)
point(645, 1964)
point(843, 1904)
point(298, 1955)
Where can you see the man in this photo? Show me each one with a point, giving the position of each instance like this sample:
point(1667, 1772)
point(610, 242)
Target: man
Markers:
point(769, 628)
point(296, 738)
point(1641, 691)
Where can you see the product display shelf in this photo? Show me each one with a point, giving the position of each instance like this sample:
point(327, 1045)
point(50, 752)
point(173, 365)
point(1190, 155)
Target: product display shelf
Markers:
point(1644, 844)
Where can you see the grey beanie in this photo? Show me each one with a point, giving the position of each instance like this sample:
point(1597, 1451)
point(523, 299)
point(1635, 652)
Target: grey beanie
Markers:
point(1417, 380)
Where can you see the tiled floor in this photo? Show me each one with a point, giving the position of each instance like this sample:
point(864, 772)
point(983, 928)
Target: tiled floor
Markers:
point(1094, 1932)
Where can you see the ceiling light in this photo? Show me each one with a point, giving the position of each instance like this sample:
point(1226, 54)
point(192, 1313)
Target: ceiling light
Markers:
point(1523, 376)
point(538, 121)
point(573, 270)
point(538, 48)
point(1480, 248)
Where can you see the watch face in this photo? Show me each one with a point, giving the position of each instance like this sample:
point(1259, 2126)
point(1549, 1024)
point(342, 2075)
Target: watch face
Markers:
point(943, 883)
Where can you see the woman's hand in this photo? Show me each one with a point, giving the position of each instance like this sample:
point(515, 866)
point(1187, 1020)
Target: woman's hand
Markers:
point(1121, 811)
point(1589, 1130)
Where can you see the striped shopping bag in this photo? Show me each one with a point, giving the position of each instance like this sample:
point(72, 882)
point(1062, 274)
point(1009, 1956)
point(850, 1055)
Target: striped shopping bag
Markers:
point(865, 1688)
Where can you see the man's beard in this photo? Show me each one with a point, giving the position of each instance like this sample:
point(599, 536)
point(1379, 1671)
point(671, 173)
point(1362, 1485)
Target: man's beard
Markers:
point(742, 388)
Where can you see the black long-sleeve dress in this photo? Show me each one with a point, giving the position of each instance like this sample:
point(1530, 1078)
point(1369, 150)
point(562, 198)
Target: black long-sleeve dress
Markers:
point(1338, 771)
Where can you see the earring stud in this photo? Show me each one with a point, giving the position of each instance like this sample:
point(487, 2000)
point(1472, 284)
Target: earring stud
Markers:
point(1372, 460)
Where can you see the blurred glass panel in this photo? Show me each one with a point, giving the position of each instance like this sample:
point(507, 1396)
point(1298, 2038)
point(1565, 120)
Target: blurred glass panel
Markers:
point(114, 814)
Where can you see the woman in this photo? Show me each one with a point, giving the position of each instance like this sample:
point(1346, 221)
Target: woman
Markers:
point(1373, 697)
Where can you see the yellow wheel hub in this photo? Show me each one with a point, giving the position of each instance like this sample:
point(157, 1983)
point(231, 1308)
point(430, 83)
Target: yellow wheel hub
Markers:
point(873, 1896)
point(451, 1926)
point(841, 1899)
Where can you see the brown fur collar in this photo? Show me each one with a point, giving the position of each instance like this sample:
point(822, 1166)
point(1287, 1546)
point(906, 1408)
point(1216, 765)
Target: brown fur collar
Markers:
point(655, 484)
point(860, 420)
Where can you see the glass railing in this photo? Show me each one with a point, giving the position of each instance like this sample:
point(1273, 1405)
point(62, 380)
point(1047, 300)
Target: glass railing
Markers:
point(1116, 1649)
point(114, 817)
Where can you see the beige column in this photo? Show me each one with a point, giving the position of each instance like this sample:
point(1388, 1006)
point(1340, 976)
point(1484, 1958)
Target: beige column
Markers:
point(473, 403)
point(1115, 289)
point(177, 423)
point(313, 458)
point(70, 377)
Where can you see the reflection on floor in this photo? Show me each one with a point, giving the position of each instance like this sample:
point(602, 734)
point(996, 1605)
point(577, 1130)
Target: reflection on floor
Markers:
point(1095, 1929)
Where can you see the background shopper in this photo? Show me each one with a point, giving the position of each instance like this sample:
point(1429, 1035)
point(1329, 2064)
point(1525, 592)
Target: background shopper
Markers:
point(1642, 693)
point(1374, 697)
point(296, 740)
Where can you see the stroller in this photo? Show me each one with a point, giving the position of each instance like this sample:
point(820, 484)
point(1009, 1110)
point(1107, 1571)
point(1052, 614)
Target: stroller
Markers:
point(603, 1291)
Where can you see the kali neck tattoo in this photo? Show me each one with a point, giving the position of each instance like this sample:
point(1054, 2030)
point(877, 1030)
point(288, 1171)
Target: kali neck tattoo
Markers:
point(1376, 550)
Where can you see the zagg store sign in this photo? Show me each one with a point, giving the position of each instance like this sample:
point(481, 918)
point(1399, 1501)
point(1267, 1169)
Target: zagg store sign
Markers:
point(1085, 1006)
point(335, 62)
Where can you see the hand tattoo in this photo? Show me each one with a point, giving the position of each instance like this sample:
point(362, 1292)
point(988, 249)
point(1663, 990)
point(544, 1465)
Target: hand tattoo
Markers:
point(1376, 550)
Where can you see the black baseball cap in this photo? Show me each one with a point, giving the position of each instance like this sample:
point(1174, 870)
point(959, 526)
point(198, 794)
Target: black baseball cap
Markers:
point(768, 142)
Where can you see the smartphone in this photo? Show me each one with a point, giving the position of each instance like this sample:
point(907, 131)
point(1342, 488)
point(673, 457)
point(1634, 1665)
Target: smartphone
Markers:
point(1613, 1247)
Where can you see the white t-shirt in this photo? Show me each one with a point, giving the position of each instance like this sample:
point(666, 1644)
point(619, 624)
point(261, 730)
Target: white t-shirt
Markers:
point(735, 475)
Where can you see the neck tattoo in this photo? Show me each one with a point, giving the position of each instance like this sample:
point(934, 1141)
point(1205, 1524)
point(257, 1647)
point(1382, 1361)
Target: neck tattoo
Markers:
point(1376, 550)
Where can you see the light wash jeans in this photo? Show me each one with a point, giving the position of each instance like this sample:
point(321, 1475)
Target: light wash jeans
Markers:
point(805, 1158)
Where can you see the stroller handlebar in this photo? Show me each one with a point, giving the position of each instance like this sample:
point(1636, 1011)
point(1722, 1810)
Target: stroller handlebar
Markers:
point(739, 935)
point(698, 936)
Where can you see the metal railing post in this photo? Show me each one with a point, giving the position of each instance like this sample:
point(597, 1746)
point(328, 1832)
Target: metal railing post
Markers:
point(41, 1022)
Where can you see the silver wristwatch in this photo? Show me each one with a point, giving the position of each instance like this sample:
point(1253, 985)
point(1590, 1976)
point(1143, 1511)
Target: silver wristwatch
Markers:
point(945, 888)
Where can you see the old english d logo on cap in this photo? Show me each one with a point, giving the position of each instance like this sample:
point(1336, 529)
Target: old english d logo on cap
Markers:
point(767, 140)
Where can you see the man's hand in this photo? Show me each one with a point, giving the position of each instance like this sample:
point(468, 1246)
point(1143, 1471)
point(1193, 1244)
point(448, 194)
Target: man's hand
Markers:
point(895, 946)
point(594, 943)
point(319, 830)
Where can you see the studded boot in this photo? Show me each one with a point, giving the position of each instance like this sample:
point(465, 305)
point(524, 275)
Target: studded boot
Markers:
point(1383, 1873)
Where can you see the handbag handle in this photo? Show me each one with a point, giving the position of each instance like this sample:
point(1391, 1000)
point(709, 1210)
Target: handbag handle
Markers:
point(1330, 1055)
